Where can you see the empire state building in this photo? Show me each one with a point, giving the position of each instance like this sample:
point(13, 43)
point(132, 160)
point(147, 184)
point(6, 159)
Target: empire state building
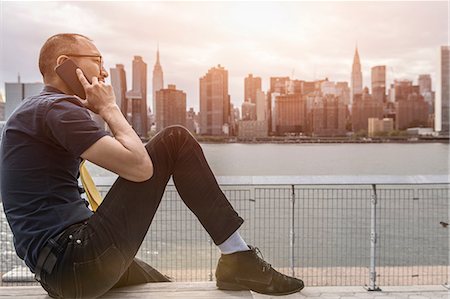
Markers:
point(158, 81)
point(356, 76)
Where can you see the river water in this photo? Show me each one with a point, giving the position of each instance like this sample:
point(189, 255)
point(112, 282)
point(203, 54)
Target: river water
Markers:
point(323, 159)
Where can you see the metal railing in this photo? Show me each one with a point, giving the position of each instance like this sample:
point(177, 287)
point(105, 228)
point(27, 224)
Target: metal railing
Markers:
point(327, 230)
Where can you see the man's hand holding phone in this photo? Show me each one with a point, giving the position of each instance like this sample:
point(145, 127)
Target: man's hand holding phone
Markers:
point(99, 96)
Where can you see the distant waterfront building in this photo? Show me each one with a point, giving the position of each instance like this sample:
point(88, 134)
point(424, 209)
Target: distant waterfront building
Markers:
point(377, 126)
point(401, 89)
point(424, 82)
point(357, 81)
point(119, 84)
point(252, 129)
point(158, 79)
point(191, 121)
point(294, 87)
point(2, 109)
point(16, 92)
point(279, 84)
point(251, 86)
point(379, 83)
point(411, 112)
point(425, 90)
point(215, 115)
point(272, 111)
point(254, 122)
point(248, 111)
point(420, 131)
point(363, 108)
point(171, 107)
point(442, 106)
point(343, 91)
point(138, 97)
point(328, 116)
point(328, 87)
point(309, 87)
point(291, 114)
point(236, 113)
point(261, 106)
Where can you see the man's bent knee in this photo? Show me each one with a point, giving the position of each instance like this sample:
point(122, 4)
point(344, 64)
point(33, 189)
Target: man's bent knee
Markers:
point(177, 131)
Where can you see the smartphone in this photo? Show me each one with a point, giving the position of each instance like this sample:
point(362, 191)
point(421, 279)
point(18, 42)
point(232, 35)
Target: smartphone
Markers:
point(67, 72)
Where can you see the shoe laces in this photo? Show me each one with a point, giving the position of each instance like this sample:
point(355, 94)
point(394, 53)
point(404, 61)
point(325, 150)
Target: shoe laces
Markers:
point(265, 265)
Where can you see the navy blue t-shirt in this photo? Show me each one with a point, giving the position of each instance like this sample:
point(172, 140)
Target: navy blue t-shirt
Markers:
point(40, 158)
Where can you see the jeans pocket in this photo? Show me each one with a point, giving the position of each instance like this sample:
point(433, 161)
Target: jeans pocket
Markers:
point(95, 277)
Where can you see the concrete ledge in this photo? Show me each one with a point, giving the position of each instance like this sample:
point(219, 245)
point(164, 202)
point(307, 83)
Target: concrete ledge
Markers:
point(18, 274)
point(199, 290)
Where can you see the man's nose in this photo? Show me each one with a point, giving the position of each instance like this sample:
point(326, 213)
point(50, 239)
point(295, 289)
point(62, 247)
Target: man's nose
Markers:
point(104, 72)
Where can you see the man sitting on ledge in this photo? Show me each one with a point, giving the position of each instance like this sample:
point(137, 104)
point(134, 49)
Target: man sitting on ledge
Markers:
point(74, 252)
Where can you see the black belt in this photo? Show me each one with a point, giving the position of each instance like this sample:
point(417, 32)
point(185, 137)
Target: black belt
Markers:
point(48, 255)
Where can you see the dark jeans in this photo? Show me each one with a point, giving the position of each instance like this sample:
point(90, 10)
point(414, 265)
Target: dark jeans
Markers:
point(100, 251)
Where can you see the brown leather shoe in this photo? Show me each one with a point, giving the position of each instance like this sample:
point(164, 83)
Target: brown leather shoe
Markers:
point(245, 270)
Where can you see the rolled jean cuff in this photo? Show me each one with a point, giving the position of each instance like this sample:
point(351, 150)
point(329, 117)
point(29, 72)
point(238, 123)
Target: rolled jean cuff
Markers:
point(220, 235)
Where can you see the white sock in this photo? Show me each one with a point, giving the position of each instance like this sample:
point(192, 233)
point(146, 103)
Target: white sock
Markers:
point(233, 244)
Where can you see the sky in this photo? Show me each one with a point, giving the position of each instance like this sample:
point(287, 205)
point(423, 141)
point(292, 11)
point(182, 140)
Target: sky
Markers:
point(303, 40)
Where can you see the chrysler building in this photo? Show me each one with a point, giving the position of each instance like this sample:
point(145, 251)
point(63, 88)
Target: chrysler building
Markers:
point(158, 81)
point(357, 83)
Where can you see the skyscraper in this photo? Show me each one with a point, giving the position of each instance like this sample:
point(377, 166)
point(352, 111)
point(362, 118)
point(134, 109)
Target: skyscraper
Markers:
point(214, 102)
point(343, 91)
point(328, 116)
point(261, 110)
point(424, 83)
point(363, 108)
point(248, 111)
point(171, 107)
point(119, 84)
point(410, 108)
point(379, 83)
point(291, 114)
point(412, 112)
point(357, 82)
point(443, 92)
point(428, 94)
point(158, 80)
point(138, 97)
point(252, 84)
point(279, 84)
point(328, 87)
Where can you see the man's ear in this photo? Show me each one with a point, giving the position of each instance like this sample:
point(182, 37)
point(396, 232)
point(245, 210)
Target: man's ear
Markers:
point(61, 59)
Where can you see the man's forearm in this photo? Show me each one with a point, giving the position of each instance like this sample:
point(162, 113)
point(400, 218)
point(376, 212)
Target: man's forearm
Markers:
point(122, 131)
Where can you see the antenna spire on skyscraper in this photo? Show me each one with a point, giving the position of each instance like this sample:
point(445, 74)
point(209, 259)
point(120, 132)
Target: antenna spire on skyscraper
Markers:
point(158, 81)
point(157, 53)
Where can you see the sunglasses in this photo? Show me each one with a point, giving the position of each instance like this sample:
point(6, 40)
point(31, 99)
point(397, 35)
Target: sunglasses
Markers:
point(100, 62)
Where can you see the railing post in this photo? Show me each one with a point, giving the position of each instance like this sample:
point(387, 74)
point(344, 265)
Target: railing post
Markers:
point(373, 240)
point(210, 260)
point(292, 232)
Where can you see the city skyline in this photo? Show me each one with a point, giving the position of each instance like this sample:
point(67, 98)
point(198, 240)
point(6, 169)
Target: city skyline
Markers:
point(277, 39)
